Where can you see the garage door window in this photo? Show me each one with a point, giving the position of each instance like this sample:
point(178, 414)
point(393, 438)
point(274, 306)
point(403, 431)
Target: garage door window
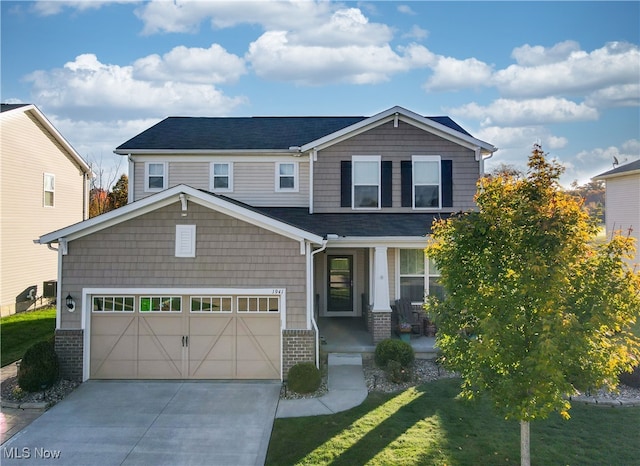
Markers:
point(211, 303)
point(113, 304)
point(161, 304)
point(258, 304)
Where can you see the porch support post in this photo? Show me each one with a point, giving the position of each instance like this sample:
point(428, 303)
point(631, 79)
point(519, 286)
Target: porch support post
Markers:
point(381, 312)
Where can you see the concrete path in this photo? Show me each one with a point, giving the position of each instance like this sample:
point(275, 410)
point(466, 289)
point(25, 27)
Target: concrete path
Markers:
point(148, 422)
point(346, 385)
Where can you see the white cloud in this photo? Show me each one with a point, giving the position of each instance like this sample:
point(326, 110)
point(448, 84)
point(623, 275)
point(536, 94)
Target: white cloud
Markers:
point(416, 33)
point(507, 112)
point(452, 74)
point(50, 8)
point(528, 55)
point(406, 10)
point(625, 95)
point(192, 65)
point(615, 64)
point(89, 89)
point(273, 56)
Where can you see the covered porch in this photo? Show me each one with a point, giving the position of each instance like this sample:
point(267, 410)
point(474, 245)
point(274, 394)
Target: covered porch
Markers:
point(350, 335)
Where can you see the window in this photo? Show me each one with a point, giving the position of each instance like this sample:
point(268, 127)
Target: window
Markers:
point(185, 241)
point(113, 304)
point(49, 189)
point(161, 304)
point(286, 176)
point(418, 275)
point(210, 303)
point(412, 275)
point(222, 177)
point(366, 182)
point(258, 304)
point(155, 175)
point(426, 182)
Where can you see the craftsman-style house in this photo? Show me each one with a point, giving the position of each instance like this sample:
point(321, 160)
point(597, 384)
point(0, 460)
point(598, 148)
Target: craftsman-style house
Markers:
point(241, 232)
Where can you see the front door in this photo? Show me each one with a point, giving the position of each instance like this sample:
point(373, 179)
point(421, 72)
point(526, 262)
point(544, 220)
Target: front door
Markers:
point(340, 285)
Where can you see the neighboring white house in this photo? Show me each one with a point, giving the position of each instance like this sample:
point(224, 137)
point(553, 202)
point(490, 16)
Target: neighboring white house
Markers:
point(44, 185)
point(622, 187)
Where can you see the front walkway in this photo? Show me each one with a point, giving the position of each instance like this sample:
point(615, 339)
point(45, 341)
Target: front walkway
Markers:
point(346, 385)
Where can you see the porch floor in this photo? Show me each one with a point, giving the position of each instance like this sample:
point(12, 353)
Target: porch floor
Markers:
point(350, 335)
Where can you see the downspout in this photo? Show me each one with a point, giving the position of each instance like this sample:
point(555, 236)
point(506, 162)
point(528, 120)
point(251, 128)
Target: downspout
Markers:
point(311, 298)
point(131, 182)
point(312, 155)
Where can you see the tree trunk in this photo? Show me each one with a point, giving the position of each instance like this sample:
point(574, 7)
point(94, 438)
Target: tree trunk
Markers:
point(525, 457)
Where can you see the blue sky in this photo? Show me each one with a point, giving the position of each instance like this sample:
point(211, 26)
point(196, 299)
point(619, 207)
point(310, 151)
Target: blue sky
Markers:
point(564, 74)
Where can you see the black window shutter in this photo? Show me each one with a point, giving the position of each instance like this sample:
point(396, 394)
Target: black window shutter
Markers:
point(446, 169)
point(345, 183)
point(387, 183)
point(406, 175)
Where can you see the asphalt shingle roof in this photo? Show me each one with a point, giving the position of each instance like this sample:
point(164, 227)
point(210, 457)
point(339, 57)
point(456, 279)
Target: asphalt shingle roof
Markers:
point(7, 107)
point(254, 133)
point(622, 169)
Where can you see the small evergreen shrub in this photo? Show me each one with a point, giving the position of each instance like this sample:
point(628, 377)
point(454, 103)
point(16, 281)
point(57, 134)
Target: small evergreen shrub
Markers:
point(394, 350)
point(397, 373)
point(632, 379)
point(39, 367)
point(304, 377)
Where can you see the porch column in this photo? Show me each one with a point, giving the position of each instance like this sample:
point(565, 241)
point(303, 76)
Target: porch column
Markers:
point(381, 312)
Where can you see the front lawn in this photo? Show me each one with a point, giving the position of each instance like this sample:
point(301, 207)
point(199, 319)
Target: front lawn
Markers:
point(428, 425)
point(19, 331)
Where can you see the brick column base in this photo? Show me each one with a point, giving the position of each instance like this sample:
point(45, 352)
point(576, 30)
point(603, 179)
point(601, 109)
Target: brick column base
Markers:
point(297, 346)
point(69, 348)
point(381, 322)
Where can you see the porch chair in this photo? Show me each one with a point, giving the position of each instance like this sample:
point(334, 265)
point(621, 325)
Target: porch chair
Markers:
point(405, 312)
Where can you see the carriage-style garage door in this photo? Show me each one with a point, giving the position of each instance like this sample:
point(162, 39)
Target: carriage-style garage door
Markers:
point(231, 336)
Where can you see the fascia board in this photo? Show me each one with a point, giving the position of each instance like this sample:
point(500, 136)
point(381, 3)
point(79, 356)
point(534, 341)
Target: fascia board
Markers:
point(413, 242)
point(169, 152)
point(620, 174)
point(170, 196)
point(32, 109)
point(226, 156)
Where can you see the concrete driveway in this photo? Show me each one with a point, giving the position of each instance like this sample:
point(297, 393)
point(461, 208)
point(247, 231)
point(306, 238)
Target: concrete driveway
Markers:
point(149, 422)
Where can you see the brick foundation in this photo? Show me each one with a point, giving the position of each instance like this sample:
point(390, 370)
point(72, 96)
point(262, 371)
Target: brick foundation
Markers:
point(297, 346)
point(381, 323)
point(69, 348)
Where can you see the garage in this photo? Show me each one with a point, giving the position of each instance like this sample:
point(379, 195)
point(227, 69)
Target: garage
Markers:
point(170, 334)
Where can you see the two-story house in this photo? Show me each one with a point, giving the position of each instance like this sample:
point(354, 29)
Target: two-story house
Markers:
point(241, 232)
point(44, 185)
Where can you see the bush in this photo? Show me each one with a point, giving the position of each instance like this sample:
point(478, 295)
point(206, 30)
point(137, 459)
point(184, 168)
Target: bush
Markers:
point(396, 373)
point(632, 379)
point(394, 350)
point(39, 367)
point(304, 377)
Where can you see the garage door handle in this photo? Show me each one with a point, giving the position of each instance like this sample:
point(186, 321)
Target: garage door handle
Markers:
point(183, 341)
point(187, 340)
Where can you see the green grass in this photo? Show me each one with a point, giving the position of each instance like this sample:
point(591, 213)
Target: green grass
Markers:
point(428, 425)
point(19, 331)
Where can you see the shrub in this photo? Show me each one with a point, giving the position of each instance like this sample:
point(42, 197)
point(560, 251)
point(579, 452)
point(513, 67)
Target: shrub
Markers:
point(396, 373)
point(304, 377)
point(39, 367)
point(632, 379)
point(394, 350)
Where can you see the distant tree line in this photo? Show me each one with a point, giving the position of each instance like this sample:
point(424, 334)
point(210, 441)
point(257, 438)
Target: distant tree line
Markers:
point(101, 200)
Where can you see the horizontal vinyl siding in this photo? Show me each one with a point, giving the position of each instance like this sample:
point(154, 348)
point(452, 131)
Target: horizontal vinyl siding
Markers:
point(28, 151)
point(394, 144)
point(623, 207)
point(253, 182)
point(229, 253)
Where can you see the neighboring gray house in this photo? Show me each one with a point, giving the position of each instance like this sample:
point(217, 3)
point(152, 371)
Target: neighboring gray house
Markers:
point(241, 232)
point(44, 185)
point(622, 190)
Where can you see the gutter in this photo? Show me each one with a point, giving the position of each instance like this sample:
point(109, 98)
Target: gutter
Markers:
point(314, 324)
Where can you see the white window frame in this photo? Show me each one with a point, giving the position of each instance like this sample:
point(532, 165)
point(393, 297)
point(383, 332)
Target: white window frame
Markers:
point(165, 175)
point(162, 298)
point(212, 300)
point(425, 158)
point(212, 177)
point(52, 177)
point(424, 276)
point(185, 241)
point(365, 158)
point(113, 297)
point(279, 176)
point(257, 299)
